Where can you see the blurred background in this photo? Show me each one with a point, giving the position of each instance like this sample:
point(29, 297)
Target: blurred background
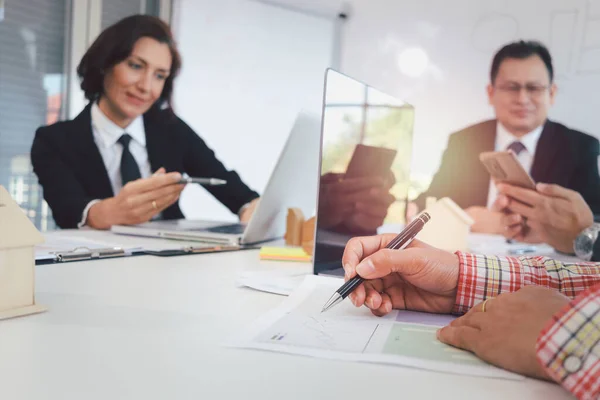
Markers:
point(249, 66)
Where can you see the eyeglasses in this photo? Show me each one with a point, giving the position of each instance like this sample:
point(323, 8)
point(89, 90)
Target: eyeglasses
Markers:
point(532, 90)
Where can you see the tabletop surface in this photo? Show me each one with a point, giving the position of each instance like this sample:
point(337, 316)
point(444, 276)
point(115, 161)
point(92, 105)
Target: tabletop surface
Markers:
point(154, 328)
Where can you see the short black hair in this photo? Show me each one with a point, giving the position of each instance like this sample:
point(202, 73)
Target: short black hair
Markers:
point(115, 44)
point(522, 49)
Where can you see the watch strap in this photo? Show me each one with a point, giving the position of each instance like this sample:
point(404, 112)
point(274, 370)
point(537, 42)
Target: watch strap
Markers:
point(596, 251)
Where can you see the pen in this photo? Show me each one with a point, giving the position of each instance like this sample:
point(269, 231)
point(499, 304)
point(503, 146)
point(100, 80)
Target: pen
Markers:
point(203, 181)
point(402, 240)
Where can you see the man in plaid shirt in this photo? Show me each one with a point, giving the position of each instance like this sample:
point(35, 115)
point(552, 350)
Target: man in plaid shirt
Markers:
point(532, 315)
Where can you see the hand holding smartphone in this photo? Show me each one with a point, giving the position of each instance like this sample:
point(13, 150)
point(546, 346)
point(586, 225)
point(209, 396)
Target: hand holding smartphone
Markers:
point(370, 161)
point(504, 166)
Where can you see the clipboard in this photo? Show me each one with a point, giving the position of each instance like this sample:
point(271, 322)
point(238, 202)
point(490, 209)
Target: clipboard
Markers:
point(86, 253)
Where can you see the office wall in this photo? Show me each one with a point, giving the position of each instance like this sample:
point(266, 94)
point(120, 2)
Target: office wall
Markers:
point(432, 53)
point(436, 55)
point(248, 68)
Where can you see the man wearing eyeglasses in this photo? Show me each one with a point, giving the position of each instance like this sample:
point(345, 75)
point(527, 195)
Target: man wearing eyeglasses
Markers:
point(521, 91)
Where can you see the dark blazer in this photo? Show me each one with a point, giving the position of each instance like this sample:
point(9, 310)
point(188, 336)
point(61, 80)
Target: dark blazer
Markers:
point(563, 156)
point(72, 173)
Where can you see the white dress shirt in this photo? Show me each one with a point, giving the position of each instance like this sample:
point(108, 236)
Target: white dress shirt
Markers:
point(106, 135)
point(503, 139)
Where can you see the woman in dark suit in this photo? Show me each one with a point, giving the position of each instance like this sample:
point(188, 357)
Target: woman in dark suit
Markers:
point(119, 161)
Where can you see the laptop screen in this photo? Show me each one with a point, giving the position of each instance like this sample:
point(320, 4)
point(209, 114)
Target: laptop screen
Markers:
point(366, 145)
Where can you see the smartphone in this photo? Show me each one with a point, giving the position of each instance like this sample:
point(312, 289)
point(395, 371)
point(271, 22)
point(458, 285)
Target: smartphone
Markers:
point(504, 166)
point(370, 161)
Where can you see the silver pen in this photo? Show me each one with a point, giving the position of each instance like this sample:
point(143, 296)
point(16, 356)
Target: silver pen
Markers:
point(203, 181)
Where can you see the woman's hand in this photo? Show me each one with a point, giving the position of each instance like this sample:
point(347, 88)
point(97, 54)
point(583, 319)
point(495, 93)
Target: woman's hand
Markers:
point(139, 201)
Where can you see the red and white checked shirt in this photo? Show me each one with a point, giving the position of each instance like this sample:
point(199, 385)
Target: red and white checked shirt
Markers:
point(569, 345)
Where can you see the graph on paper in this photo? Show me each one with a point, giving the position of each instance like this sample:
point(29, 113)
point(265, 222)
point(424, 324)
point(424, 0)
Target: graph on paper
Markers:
point(420, 341)
point(320, 333)
point(404, 339)
point(355, 334)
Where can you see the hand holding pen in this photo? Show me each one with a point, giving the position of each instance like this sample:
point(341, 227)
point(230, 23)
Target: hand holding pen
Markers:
point(402, 240)
point(420, 278)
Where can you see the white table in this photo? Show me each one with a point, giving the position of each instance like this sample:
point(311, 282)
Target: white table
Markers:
point(153, 328)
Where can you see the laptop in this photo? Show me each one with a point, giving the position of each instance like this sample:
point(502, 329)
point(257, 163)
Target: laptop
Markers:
point(293, 183)
point(365, 133)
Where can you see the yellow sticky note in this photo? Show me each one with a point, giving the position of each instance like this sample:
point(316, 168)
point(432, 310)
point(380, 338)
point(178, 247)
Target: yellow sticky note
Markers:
point(284, 254)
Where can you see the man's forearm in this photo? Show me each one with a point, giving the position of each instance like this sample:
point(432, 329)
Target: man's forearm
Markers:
point(482, 277)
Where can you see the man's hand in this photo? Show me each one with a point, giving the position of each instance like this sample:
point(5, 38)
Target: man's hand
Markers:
point(420, 277)
point(555, 215)
point(355, 204)
point(370, 212)
point(139, 201)
point(496, 219)
point(509, 221)
point(486, 220)
point(506, 333)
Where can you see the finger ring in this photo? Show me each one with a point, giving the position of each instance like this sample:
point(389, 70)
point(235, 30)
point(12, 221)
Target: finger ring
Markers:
point(154, 205)
point(484, 304)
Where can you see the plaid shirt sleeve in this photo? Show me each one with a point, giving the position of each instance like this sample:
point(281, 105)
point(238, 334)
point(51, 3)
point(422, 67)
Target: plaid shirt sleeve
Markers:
point(569, 346)
point(481, 277)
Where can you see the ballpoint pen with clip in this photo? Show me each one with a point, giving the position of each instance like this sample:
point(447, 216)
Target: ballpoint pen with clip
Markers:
point(402, 240)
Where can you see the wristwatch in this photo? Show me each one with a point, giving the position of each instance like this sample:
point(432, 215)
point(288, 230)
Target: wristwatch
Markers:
point(584, 243)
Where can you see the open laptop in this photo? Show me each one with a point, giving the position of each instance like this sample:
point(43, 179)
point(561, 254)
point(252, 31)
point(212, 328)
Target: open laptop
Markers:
point(365, 133)
point(293, 183)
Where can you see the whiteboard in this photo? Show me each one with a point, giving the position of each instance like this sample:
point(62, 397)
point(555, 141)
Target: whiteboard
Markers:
point(248, 69)
point(459, 38)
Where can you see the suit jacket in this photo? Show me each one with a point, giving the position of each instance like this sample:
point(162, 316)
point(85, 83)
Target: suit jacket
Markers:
point(563, 156)
point(72, 173)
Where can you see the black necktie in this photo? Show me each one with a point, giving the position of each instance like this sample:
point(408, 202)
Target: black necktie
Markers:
point(129, 168)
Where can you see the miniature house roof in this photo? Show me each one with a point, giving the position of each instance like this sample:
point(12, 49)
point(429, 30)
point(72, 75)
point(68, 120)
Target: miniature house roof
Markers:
point(16, 230)
point(456, 210)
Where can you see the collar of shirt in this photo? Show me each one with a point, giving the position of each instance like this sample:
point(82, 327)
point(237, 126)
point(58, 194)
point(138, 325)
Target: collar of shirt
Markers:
point(108, 133)
point(504, 138)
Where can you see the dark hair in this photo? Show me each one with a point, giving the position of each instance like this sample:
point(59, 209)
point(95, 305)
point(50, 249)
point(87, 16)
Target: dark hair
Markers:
point(115, 44)
point(522, 49)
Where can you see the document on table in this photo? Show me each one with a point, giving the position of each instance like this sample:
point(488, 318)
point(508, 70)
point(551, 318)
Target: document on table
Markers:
point(354, 334)
point(282, 282)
